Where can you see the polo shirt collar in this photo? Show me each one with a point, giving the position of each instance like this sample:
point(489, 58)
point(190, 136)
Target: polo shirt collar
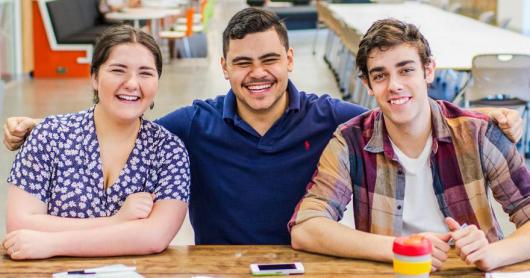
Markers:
point(380, 142)
point(230, 109)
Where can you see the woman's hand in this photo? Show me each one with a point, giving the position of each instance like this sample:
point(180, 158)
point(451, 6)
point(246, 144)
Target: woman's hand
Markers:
point(29, 244)
point(136, 206)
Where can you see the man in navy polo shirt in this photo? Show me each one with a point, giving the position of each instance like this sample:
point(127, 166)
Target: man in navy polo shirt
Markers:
point(253, 150)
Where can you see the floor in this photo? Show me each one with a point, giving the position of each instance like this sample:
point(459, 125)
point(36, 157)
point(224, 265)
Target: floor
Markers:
point(182, 81)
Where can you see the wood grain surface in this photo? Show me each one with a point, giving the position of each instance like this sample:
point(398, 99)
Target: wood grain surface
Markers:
point(229, 261)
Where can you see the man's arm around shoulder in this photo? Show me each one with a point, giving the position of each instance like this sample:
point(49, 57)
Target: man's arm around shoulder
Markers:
point(16, 129)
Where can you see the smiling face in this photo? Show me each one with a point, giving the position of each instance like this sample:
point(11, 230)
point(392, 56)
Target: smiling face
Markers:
point(126, 82)
point(399, 82)
point(257, 67)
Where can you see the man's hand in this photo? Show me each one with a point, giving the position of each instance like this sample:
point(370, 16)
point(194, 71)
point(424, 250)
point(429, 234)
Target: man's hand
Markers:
point(16, 129)
point(440, 247)
point(136, 206)
point(509, 121)
point(29, 244)
point(471, 245)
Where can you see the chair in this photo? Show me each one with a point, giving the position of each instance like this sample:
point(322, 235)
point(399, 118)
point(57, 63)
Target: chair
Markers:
point(186, 37)
point(323, 17)
point(388, 1)
point(256, 3)
point(487, 17)
point(500, 80)
point(326, 18)
point(351, 1)
point(505, 23)
point(169, 38)
point(191, 23)
point(442, 4)
point(454, 8)
point(351, 39)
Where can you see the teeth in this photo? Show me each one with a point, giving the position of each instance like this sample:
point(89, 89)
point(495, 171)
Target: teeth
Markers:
point(259, 87)
point(129, 98)
point(399, 100)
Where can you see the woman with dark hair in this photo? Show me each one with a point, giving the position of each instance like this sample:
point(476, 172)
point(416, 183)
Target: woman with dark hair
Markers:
point(104, 181)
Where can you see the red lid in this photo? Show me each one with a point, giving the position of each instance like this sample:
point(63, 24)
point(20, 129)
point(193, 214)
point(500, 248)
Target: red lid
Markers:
point(415, 245)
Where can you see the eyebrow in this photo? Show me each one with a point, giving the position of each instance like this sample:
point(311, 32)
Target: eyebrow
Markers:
point(147, 68)
point(262, 57)
point(269, 55)
point(241, 58)
point(400, 64)
point(376, 69)
point(124, 66)
point(404, 63)
point(118, 65)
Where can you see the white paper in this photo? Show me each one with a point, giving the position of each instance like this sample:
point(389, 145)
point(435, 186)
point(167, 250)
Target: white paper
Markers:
point(523, 274)
point(108, 271)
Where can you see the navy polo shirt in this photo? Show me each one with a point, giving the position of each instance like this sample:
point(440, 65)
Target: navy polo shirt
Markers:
point(245, 186)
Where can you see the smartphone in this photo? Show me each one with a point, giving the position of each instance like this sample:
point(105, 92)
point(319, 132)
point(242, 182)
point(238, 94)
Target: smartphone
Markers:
point(277, 269)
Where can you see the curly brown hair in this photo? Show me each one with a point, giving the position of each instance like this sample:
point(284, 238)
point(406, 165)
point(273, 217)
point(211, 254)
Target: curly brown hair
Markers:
point(387, 33)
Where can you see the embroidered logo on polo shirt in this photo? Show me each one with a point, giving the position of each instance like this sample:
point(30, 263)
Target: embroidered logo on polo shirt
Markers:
point(307, 145)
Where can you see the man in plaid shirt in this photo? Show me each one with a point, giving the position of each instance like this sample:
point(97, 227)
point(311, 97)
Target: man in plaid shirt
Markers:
point(414, 165)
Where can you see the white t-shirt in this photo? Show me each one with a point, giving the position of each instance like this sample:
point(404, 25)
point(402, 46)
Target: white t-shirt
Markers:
point(421, 212)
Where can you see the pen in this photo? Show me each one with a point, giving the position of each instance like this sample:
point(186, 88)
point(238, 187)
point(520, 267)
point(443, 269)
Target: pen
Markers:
point(452, 241)
point(92, 271)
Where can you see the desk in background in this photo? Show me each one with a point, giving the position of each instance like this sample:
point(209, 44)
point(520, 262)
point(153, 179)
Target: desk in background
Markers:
point(137, 14)
point(230, 261)
point(454, 39)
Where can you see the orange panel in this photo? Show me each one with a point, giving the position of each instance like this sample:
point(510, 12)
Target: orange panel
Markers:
point(189, 21)
point(49, 63)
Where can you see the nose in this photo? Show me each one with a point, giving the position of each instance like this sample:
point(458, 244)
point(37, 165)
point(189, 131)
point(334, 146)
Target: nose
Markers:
point(394, 84)
point(132, 82)
point(258, 72)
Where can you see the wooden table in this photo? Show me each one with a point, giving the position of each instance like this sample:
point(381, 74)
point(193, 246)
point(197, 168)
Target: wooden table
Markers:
point(229, 261)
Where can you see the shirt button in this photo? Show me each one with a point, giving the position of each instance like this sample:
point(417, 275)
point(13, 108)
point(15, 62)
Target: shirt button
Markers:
point(399, 207)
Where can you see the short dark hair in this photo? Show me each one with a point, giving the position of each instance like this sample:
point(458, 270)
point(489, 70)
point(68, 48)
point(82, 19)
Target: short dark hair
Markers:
point(122, 34)
point(387, 33)
point(253, 20)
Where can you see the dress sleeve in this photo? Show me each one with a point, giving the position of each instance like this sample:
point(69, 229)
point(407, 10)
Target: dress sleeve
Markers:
point(172, 173)
point(33, 167)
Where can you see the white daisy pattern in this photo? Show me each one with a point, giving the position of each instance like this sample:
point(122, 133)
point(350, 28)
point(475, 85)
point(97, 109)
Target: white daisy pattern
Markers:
point(60, 164)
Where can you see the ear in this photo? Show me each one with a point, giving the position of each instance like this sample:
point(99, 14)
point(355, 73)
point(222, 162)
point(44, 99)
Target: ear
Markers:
point(290, 59)
point(225, 68)
point(365, 83)
point(94, 81)
point(430, 69)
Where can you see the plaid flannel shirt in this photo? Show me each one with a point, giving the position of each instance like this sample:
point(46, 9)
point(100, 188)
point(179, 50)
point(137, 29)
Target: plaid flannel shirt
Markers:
point(469, 155)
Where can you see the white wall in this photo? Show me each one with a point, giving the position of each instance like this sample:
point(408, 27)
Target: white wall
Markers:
point(518, 11)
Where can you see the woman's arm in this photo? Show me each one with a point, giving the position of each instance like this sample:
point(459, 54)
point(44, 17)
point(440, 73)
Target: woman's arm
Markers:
point(144, 236)
point(25, 211)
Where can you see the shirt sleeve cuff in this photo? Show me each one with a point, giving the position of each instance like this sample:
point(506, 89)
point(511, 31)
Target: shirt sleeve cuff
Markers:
point(521, 215)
